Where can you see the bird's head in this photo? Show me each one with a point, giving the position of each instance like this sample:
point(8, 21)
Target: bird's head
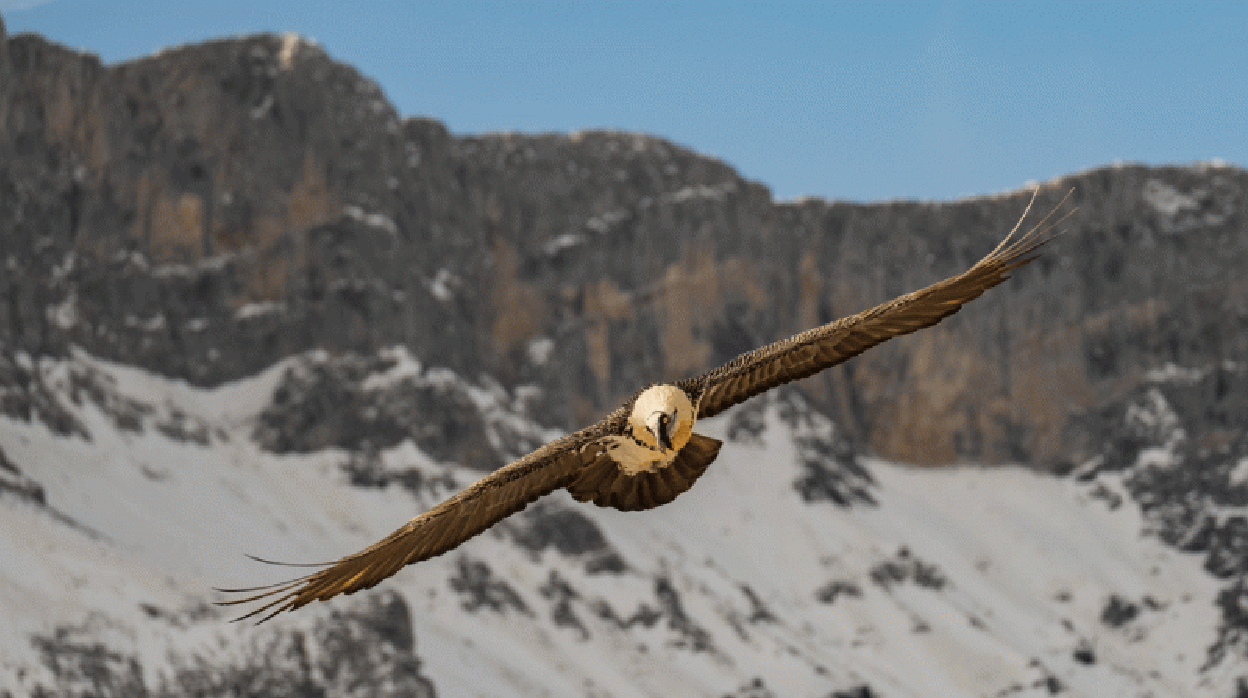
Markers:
point(662, 418)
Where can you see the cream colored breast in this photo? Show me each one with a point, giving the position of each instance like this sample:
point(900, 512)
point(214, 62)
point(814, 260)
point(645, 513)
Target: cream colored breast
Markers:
point(634, 458)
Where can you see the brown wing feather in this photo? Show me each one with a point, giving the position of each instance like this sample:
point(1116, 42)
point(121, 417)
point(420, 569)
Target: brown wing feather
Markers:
point(816, 349)
point(491, 499)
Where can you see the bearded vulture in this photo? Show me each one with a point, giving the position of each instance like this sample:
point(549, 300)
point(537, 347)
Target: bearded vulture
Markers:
point(645, 453)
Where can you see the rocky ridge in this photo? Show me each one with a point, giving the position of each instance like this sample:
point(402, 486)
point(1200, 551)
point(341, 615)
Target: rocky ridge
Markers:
point(211, 209)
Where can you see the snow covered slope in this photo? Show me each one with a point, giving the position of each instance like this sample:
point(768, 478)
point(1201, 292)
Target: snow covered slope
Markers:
point(793, 568)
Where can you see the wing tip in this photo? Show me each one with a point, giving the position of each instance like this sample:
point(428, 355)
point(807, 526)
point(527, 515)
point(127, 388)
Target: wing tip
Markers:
point(285, 594)
point(288, 564)
point(284, 597)
point(1009, 252)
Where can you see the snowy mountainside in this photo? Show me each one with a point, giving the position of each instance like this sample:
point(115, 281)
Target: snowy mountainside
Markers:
point(795, 566)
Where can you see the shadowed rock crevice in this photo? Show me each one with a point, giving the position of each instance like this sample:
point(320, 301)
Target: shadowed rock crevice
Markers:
point(479, 588)
point(26, 396)
point(562, 596)
point(545, 525)
point(691, 635)
point(905, 567)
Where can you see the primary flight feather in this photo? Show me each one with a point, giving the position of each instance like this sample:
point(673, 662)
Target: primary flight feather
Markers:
point(645, 453)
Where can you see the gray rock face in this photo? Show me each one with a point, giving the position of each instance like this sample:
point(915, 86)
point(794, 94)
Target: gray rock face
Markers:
point(208, 210)
point(319, 404)
point(367, 650)
point(13, 482)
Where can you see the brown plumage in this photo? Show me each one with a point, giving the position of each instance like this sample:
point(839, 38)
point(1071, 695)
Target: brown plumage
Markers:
point(622, 461)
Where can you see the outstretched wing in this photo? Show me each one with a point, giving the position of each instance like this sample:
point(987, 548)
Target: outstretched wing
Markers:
point(491, 499)
point(822, 347)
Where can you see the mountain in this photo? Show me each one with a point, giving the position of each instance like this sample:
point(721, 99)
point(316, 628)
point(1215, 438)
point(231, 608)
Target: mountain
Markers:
point(249, 308)
point(211, 209)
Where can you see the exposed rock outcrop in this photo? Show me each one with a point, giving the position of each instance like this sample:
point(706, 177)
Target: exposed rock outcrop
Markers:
point(1177, 445)
point(365, 650)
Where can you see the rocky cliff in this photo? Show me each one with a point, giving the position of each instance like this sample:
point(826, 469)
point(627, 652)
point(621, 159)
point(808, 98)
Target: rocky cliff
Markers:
point(208, 210)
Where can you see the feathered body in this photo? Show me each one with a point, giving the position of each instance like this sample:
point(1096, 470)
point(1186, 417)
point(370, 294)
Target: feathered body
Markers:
point(646, 453)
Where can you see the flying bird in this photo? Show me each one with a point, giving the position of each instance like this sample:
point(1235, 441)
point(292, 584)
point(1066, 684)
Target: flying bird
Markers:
point(646, 453)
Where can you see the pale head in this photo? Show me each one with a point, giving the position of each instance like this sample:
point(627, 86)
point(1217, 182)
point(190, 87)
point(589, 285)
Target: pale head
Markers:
point(662, 418)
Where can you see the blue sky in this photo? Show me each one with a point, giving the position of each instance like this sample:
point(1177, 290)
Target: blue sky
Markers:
point(860, 101)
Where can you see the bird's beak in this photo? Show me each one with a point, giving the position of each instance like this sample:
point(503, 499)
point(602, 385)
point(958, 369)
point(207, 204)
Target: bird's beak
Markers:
point(660, 424)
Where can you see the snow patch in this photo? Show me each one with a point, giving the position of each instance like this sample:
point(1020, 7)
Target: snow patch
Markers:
point(1167, 200)
point(1239, 473)
point(262, 109)
point(1154, 416)
point(66, 267)
point(603, 223)
point(405, 367)
point(560, 243)
point(65, 314)
point(1173, 373)
point(539, 350)
point(699, 191)
point(372, 220)
point(1214, 163)
point(154, 323)
point(441, 284)
point(209, 264)
point(261, 309)
point(133, 258)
